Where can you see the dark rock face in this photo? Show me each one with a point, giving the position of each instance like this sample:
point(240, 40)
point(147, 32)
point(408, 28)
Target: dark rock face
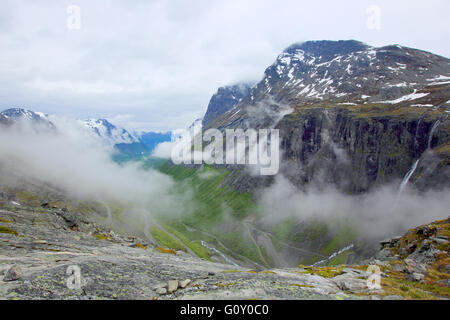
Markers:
point(357, 153)
point(224, 99)
point(353, 115)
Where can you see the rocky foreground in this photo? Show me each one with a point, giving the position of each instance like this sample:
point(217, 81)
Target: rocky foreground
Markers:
point(43, 248)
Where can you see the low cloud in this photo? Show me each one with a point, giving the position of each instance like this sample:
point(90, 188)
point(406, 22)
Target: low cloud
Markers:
point(162, 60)
point(379, 213)
point(76, 162)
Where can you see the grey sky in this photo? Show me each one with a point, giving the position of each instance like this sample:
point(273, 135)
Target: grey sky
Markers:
point(155, 64)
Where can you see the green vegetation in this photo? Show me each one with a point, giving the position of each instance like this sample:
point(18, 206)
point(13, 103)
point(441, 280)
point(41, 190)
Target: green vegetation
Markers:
point(211, 205)
point(339, 259)
point(197, 248)
point(211, 197)
point(344, 234)
point(102, 237)
point(326, 272)
point(218, 210)
point(8, 230)
point(27, 198)
point(284, 230)
point(165, 239)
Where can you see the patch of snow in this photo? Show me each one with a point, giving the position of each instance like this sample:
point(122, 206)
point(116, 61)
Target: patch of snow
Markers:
point(439, 78)
point(412, 96)
point(422, 105)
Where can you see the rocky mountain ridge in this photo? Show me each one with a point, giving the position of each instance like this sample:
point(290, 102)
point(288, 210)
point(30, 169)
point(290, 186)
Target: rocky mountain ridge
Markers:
point(16, 115)
point(110, 132)
point(376, 109)
point(225, 99)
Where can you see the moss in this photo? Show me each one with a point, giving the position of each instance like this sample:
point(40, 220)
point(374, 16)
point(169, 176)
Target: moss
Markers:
point(302, 285)
point(141, 246)
point(396, 284)
point(326, 272)
point(8, 230)
point(443, 149)
point(101, 236)
point(268, 272)
point(27, 198)
point(225, 285)
point(163, 250)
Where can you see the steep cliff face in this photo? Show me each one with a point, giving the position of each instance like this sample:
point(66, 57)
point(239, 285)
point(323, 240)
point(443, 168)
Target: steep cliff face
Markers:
point(356, 152)
point(225, 99)
point(352, 115)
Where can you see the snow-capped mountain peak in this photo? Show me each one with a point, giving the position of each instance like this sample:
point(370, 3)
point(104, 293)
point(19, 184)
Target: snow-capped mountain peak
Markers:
point(106, 130)
point(16, 115)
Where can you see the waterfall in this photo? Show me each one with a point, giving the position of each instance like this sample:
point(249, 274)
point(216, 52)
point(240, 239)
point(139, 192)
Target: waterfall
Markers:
point(407, 177)
point(415, 164)
point(433, 129)
point(335, 254)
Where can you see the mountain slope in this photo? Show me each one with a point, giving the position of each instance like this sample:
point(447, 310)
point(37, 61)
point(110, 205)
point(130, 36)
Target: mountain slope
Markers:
point(109, 132)
point(128, 146)
point(40, 244)
point(18, 115)
point(352, 118)
point(375, 111)
point(225, 99)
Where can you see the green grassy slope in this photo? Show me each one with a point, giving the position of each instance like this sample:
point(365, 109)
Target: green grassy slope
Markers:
point(217, 213)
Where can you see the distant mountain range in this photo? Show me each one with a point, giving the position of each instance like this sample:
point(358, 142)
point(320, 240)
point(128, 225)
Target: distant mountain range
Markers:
point(352, 118)
point(129, 145)
point(16, 115)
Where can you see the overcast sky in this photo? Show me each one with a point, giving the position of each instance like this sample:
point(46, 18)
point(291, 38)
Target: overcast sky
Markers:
point(155, 64)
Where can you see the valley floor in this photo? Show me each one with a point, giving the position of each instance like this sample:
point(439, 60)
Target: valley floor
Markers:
point(41, 250)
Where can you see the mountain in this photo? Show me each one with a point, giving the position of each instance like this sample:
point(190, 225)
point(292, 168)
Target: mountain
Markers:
point(349, 71)
point(353, 119)
point(225, 99)
point(375, 111)
point(16, 115)
point(127, 145)
point(109, 132)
